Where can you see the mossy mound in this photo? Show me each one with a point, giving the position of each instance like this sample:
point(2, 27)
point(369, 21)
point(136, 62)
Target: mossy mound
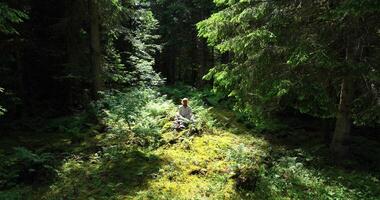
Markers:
point(202, 166)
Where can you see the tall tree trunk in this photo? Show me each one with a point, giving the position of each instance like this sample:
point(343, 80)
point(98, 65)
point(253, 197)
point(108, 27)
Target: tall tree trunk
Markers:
point(168, 64)
point(173, 70)
point(73, 16)
point(96, 57)
point(343, 118)
point(203, 57)
point(25, 106)
point(196, 62)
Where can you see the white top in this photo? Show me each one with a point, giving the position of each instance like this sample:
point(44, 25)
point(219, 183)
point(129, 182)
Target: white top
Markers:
point(185, 111)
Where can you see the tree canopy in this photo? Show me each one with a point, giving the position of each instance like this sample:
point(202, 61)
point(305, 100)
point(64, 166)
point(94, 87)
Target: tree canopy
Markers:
point(297, 54)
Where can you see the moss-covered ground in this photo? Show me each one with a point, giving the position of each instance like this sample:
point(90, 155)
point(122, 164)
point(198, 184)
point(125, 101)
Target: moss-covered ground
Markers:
point(144, 158)
point(204, 166)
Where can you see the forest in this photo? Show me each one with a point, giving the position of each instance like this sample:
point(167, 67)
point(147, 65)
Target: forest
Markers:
point(283, 99)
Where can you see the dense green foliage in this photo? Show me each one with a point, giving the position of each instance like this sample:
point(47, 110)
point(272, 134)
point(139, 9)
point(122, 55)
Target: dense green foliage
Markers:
point(295, 54)
point(185, 57)
point(284, 95)
point(60, 74)
point(138, 156)
point(9, 17)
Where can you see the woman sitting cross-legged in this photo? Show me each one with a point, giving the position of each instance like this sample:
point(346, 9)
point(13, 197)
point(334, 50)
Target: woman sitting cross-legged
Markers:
point(184, 116)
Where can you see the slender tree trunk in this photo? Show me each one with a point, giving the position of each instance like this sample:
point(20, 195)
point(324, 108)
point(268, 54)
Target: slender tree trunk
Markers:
point(96, 57)
point(343, 118)
point(73, 46)
point(174, 69)
point(197, 60)
point(168, 63)
point(204, 61)
point(21, 84)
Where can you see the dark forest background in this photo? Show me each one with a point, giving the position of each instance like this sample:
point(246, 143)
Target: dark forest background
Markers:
point(48, 60)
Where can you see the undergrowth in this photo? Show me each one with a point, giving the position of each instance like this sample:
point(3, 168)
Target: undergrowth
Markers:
point(135, 154)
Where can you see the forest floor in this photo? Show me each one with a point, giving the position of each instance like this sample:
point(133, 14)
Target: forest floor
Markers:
point(221, 159)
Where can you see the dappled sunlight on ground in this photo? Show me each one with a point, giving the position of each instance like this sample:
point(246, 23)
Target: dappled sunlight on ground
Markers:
point(96, 177)
point(204, 166)
point(199, 167)
point(218, 158)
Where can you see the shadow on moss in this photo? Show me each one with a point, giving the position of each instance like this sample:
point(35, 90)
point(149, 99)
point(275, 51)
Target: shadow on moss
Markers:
point(104, 178)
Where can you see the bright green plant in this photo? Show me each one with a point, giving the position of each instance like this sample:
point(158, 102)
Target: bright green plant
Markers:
point(135, 116)
point(295, 173)
point(134, 67)
point(9, 17)
point(23, 166)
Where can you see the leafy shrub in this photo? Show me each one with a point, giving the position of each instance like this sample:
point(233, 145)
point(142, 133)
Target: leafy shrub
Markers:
point(104, 175)
point(254, 118)
point(76, 126)
point(116, 105)
point(293, 176)
point(133, 120)
point(24, 166)
point(241, 157)
point(135, 117)
point(14, 194)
